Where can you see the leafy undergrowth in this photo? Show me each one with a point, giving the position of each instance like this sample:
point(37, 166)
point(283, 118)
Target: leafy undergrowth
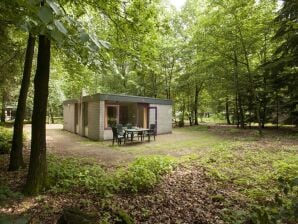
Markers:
point(247, 179)
point(256, 173)
point(5, 140)
point(139, 176)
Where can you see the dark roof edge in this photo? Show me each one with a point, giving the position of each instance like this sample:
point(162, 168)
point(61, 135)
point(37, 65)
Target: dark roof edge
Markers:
point(136, 99)
point(71, 101)
point(121, 98)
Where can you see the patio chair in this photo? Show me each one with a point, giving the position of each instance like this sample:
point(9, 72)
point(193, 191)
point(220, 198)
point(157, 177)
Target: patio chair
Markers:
point(120, 129)
point(151, 132)
point(129, 126)
point(117, 136)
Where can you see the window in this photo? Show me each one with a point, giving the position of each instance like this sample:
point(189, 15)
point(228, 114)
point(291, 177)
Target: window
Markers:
point(125, 113)
point(85, 105)
point(112, 115)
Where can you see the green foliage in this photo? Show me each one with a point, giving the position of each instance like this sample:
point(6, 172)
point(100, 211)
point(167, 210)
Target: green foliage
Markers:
point(65, 174)
point(6, 194)
point(141, 175)
point(138, 178)
point(5, 140)
point(123, 218)
point(284, 207)
point(4, 219)
point(266, 180)
point(145, 172)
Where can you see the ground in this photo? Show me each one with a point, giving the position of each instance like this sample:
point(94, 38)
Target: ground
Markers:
point(221, 169)
point(178, 143)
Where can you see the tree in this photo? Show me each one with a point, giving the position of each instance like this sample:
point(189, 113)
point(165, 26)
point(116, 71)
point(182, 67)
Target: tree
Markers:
point(16, 154)
point(50, 16)
point(37, 173)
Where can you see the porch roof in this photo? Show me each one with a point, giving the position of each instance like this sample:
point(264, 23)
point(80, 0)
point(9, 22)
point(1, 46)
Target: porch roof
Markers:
point(121, 98)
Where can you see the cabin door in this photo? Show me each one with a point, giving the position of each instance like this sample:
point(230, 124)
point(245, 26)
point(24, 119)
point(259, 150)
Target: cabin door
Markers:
point(76, 118)
point(152, 116)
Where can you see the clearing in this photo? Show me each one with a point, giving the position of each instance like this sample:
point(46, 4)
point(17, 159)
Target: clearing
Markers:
point(222, 174)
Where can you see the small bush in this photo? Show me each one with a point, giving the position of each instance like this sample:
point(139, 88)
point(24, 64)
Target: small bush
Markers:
point(145, 172)
point(5, 140)
point(64, 174)
point(137, 178)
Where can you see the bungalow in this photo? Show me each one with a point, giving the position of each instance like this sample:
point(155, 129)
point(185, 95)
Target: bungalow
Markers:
point(93, 116)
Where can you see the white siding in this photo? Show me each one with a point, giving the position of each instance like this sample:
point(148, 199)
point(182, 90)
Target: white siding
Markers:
point(164, 118)
point(101, 119)
point(93, 120)
point(69, 117)
point(108, 134)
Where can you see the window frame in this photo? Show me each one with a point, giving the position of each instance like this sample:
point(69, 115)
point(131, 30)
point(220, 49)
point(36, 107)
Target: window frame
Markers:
point(106, 114)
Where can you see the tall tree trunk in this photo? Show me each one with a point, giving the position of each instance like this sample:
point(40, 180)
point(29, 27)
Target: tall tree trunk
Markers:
point(183, 114)
point(51, 115)
point(241, 113)
point(16, 153)
point(237, 110)
point(277, 109)
point(227, 112)
point(36, 179)
point(196, 104)
point(258, 109)
point(3, 106)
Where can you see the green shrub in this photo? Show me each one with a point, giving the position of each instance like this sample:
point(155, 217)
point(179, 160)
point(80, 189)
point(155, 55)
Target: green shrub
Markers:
point(137, 178)
point(5, 140)
point(159, 165)
point(145, 172)
point(64, 174)
point(141, 175)
point(284, 207)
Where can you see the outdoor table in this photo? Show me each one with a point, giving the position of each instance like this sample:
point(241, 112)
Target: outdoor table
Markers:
point(132, 131)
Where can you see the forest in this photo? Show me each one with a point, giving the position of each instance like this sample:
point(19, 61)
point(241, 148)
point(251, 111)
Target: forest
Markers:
point(230, 67)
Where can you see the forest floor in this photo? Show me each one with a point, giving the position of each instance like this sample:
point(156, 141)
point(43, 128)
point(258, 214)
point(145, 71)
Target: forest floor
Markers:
point(221, 173)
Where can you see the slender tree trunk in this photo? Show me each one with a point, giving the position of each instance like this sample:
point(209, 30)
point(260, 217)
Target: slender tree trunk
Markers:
point(227, 112)
point(36, 179)
point(277, 109)
point(16, 153)
point(3, 106)
point(259, 119)
point(51, 115)
point(252, 94)
point(241, 113)
point(237, 110)
point(196, 104)
point(183, 114)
